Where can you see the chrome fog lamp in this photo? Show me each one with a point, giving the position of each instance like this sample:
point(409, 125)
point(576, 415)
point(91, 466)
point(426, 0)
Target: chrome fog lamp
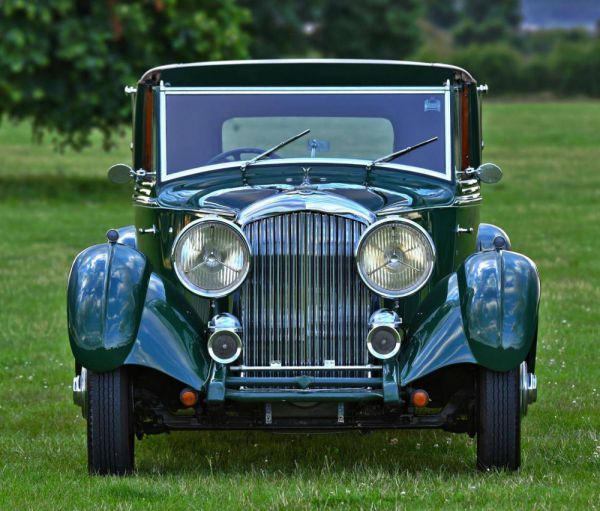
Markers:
point(384, 337)
point(395, 257)
point(224, 343)
point(211, 257)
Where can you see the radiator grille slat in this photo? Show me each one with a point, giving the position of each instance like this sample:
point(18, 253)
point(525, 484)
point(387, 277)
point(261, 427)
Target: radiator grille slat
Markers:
point(303, 302)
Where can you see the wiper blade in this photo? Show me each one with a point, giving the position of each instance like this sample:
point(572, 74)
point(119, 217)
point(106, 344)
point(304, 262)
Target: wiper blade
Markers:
point(401, 152)
point(268, 152)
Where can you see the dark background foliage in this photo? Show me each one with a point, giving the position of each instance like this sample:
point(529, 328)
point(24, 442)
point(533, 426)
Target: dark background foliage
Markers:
point(64, 62)
point(334, 28)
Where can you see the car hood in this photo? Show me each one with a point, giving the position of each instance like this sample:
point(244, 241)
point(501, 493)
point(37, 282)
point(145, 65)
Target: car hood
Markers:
point(388, 192)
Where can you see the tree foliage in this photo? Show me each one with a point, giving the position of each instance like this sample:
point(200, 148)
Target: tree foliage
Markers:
point(280, 28)
point(384, 29)
point(442, 13)
point(334, 28)
point(64, 62)
point(570, 68)
point(488, 22)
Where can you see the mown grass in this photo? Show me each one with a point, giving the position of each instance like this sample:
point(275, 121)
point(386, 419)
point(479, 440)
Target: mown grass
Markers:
point(51, 206)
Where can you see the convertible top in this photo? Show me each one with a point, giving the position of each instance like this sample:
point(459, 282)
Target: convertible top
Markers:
point(305, 73)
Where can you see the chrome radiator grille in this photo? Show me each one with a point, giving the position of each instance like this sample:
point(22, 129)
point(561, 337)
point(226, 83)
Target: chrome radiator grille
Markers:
point(304, 303)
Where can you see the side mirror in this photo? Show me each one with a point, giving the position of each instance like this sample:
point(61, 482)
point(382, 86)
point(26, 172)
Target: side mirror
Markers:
point(489, 173)
point(120, 173)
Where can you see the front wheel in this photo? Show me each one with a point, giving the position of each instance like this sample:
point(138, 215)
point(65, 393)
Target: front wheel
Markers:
point(110, 430)
point(499, 428)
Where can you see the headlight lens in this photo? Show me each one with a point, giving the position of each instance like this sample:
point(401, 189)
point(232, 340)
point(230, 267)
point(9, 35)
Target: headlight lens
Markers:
point(211, 257)
point(395, 257)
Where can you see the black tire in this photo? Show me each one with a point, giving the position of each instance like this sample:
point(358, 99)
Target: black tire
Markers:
point(110, 429)
point(499, 427)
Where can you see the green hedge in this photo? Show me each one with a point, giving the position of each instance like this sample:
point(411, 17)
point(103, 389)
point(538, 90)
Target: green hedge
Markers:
point(570, 68)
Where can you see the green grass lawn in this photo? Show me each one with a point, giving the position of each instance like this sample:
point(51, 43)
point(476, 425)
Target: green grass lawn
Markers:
point(52, 206)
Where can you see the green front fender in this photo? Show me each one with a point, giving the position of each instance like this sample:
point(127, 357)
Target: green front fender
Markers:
point(119, 313)
point(486, 313)
point(105, 299)
point(500, 296)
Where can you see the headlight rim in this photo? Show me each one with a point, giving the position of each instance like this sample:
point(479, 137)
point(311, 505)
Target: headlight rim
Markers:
point(190, 286)
point(378, 224)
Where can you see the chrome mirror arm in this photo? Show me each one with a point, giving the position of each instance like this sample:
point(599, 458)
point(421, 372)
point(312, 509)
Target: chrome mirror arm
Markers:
point(488, 173)
point(143, 175)
point(121, 173)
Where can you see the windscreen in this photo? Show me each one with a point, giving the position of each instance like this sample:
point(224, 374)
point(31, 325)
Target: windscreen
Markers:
point(204, 128)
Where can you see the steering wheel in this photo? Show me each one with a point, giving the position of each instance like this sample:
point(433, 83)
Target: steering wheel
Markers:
point(236, 155)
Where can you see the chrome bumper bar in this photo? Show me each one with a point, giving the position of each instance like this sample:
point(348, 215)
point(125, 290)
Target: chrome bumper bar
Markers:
point(80, 390)
point(366, 367)
point(528, 388)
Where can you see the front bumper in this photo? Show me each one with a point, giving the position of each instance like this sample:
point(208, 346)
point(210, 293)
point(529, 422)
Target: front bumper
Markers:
point(379, 383)
point(528, 388)
point(80, 390)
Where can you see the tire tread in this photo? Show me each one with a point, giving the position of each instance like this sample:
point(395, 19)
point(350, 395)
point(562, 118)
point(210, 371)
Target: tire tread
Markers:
point(499, 429)
point(110, 423)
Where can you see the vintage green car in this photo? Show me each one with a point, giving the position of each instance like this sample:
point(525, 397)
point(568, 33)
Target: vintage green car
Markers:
point(306, 256)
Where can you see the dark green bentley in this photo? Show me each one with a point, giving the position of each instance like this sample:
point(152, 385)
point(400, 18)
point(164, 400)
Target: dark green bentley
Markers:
point(306, 256)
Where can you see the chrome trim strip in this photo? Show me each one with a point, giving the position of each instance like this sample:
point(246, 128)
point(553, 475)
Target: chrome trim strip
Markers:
point(304, 90)
point(308, 61)
point(410, 210)
point(468, 199)
point(215, 211)
point(448, 134)
point(469, 187)
point(364, 367)
point(295, 201)
point(283, 162)
point(162, 112)
point(145, 201)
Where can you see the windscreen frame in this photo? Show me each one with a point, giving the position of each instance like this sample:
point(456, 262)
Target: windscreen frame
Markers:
point(164, 91)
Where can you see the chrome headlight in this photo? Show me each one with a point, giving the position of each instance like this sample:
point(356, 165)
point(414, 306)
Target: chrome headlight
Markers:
point(211, 257)
point(395, 257)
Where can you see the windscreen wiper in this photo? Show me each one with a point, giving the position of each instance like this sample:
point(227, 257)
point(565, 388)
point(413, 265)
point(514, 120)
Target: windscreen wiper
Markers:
point(269, 152)
point(401, 152)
